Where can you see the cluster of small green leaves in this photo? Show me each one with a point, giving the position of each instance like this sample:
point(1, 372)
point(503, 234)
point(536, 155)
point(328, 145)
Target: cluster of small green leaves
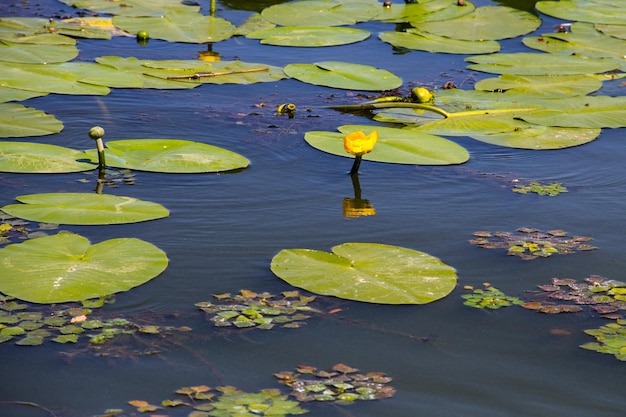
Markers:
point(490, 297)
point(552, 189)
point(12, 228)
point(611, 339)
point(33, 328)
point(343, 384)
point(602, 295)
point(232, 402)
point(530, 243)
point(260, 310)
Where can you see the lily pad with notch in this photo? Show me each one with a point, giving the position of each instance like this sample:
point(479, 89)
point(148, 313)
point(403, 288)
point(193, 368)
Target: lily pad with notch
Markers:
point(344, 75)
point(368, 272)
point(66, 267)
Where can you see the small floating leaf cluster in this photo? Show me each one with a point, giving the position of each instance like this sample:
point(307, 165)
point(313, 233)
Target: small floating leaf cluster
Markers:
point(602, 295)
point(342, 384)
point(490, 297)
point(259, 310)
point(551, 189)
point(529, 243)
point(24, 326)
point(611, 339)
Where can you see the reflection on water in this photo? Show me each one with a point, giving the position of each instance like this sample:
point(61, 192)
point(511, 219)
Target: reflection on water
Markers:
point(446, 359)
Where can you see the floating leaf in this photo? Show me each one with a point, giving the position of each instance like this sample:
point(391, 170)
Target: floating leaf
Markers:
point(344, 75)
point(611, 339)
point(36, 53)
point(537, 137)
point(424, 41)
point(179, 26)
point(321, 12)
point(66, 267)
point(528, 63)
point(491, 298)
point(169, 155)
point(398, 146)
point(583, 40)
point(20, 121)
point(309, 36)
point(84, 209)
point(586, 112)
point(368, 272)
point(133, 7)
point(485, 23)
point(531, 243)
point(552, 189)
point(343, 384)
point(41, 158)
point(584, 10)
point(544, 85)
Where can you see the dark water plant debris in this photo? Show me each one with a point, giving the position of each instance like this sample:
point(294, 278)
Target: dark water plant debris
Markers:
point(259, 310)
point(529, 243)
point(490, 297)
point(342, 384)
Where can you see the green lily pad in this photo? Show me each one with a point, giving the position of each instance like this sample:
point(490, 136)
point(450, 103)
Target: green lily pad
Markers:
point(593, 11)
point(344, 75)
point(539, 137)
point(583, 40)
point(322, 12)
point(485, 23)
point(138, 67)
point(50, 78)
point(423, 41)
point(528, 63)
point(423, 11)
point(396, 146)
point(616, 31)
point(20, 121)
point(66, 267)
point(84, 209)
point(544, 85)
point(585, 112)
point(169, 155)
point(177, 26)
point(36, 53)
point(309, 36)
point(223, 72)
point(133, 7)
point(41, 158)
point(13, 94)
point(368, 272)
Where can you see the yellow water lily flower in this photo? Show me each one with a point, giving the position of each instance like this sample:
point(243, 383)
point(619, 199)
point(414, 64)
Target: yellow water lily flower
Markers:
point(357, 143)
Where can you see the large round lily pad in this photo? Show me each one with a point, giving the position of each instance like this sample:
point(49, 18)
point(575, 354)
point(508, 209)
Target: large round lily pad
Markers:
point(20, 121)
point(41, 158)
point(344, 75)
point(84, 209)
point(66, 267)
point(309, 36)
point(396, 146)
point(170, 155)
point(369, 272)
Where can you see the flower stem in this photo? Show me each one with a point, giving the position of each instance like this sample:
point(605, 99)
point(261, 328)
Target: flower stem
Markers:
point(355, 166)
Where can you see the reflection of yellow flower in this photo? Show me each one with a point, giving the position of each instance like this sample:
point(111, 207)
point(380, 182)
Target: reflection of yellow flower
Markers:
point(357, 143)
point(355, 207)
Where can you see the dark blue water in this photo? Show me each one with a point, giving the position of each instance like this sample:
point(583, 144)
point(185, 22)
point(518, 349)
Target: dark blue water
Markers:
point(224, 230)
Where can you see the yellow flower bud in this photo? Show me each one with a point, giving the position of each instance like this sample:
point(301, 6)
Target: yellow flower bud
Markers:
point(357, 143)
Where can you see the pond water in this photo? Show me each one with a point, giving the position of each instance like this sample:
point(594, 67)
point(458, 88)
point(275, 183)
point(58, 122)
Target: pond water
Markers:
point(446, 359)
